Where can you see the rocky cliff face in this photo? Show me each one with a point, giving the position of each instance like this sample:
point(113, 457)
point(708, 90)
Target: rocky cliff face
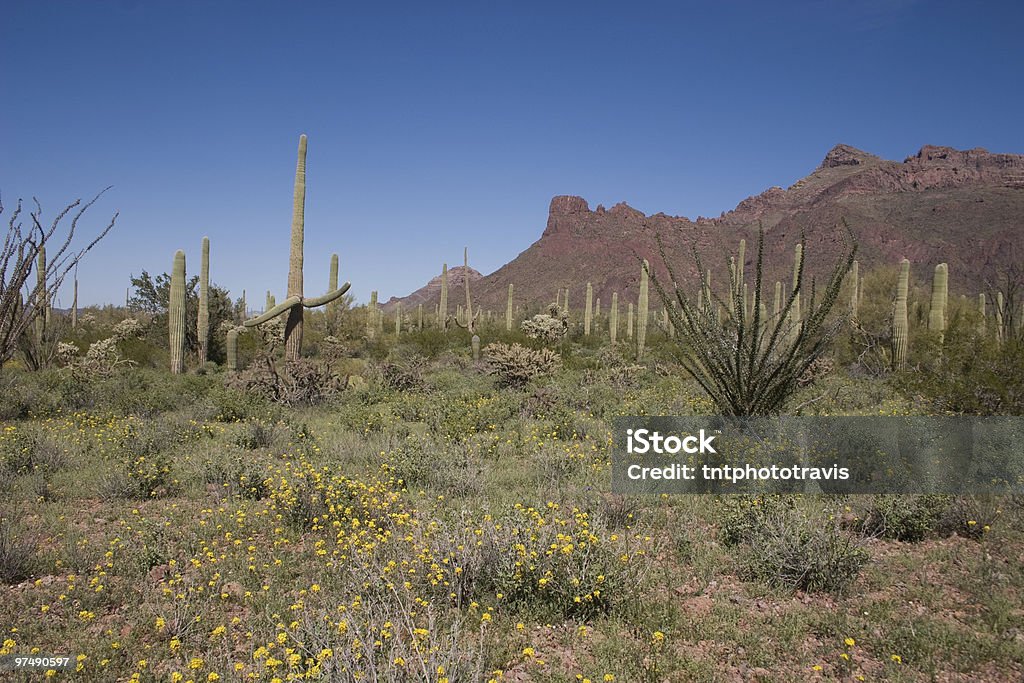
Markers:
point(940, 204)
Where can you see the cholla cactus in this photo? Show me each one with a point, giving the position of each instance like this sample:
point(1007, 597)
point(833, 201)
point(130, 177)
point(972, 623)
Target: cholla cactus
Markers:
point(129, 328)
point(549, 327)
point(294, 304)
point(515, 365)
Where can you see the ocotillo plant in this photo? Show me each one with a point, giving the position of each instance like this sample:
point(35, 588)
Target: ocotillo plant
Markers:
point(294, 304)
point(730, 359)
point(442, 308)
point(642, 315)
point(613, 318)
point(587, 311)
point(176, 314)
point(203, 317)
point(508, 310)
point(937, 310)
point(900, 326)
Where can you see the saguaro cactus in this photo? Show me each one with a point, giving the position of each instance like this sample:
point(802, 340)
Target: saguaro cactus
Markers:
point(981, 313)
point(270, 302)
point(203, 318)
point(937, 310)
point(332, 283)
point(44, 310)
point(475, 341)
point(294, 304)
point(613, 318)
point(231, 347)
point(468, 314)
point(854, 291)
point(419, 317)
point(588, 312)
point(629, 320)
point(442, 310)
point(900, 327)
point(74, 305)
point(508, 310)
point(371, 316)
point(176, 314)
point(398, 319)
point(642, 315)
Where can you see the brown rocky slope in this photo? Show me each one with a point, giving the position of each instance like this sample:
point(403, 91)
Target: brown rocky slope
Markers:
point(962, 207)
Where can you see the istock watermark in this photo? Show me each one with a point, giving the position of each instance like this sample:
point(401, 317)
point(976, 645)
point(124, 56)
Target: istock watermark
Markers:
point(832, 455)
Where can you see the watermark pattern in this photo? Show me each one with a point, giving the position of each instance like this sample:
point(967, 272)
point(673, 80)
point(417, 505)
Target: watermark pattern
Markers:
point(836, 455)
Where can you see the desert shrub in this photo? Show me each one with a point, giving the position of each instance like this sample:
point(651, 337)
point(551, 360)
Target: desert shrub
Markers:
point(516, 365)
point(906, 517)
point(549, 561)
point(255, 434)
point(18, 554)
point(792, 548)
point(404, 376)
point(741, 516)
point(300, 382)
point(227, 404)
point(236, 475)
point(26, 449)
point(550, 327)
point(460, 418)
point(969, 373)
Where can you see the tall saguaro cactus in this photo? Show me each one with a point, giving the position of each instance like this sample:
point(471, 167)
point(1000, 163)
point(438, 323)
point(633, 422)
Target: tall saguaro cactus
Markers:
point(940, 292)
point(231, 347)
point(468, 313)
point(371, 316)
point(613, 318)
point(588, 312)
point(900, 326)
point(508, 310)
point(203, 318)
point(442, 308)
point(176, 314)
point(629, 320)
point(854, 290)
point(44, 309)
point(641, 319)
point(295, 302)
point(74, 304)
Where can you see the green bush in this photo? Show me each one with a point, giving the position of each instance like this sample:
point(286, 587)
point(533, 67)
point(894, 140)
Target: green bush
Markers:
point(789, 547)
point(906, 518)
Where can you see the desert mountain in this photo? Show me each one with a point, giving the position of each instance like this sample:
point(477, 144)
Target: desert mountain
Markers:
point(939, 205)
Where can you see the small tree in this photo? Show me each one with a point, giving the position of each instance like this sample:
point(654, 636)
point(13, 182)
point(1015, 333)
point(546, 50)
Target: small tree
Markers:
point(18, 261)
point(747, 359)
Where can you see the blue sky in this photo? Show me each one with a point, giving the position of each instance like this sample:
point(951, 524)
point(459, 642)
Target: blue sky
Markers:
point(437, 125)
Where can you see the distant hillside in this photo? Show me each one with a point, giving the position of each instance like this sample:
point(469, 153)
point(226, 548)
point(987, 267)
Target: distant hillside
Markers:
point(942, 204)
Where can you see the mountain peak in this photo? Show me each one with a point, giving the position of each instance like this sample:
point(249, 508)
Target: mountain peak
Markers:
point(845, 155)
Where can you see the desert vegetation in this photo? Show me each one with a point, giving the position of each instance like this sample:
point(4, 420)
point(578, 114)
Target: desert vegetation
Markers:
point(325, 491)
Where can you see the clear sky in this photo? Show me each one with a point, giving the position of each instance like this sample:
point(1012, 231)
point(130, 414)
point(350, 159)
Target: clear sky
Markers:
point(434, 125)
